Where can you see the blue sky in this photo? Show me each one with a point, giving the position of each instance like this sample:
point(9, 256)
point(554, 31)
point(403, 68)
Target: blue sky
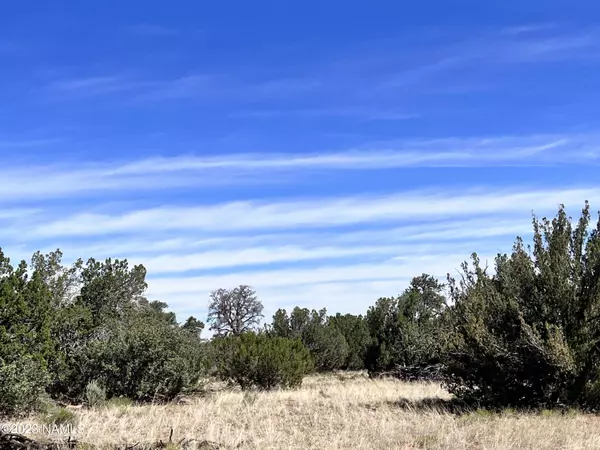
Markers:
point(322, 152)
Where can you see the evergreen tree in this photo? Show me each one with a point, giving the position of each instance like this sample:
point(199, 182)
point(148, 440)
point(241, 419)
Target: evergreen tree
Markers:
point(356, 333)
point(408, 330)
point(529, 334)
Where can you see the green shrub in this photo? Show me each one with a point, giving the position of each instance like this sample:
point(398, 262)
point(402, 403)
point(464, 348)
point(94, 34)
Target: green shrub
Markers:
point(356, 332)
point(262, 361)
point(146, 358)
point(95, 394)
point(70, 369)
point(324, 340)
point(528, 334)
point(328, 347)
point(22, 384)
point(408, 330)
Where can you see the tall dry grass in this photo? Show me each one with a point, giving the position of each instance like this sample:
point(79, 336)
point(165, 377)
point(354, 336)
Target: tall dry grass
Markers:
point(337, 412)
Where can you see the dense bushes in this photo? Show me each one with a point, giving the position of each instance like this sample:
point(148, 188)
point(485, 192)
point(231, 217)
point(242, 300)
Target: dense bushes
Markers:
point(64, 327)
point(22, 383)
point(356, 333)
point(145, 358)
point(25, 343)
point(327, 346)
point(530, 333)
point(143, 355)
point(261, 361)
point(325, 342)
point(409, 330)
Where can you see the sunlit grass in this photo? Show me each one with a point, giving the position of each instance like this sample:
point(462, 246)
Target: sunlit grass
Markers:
point(337, 412)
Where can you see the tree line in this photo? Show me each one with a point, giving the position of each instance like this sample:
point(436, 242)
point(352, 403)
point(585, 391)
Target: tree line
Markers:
point(523, 333)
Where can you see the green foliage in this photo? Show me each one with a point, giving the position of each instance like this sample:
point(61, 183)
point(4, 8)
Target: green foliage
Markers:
point(25, 341)
point(301, 320)
point(383, 322)
point(110, 333)
point(22, 383)
point(25, 312)
point(62, 328)
point(529, 334)
point(281, 324)
point(408, 330)
point(109, 288)
point(89, 299)
point(262, 361)
point(327, 346)
point(71, 332)
point(62, 282)
point(325, 341)
point(95, 394)
point(159, 308)
point(356, 333)
point(193, 325)
point(144, 357)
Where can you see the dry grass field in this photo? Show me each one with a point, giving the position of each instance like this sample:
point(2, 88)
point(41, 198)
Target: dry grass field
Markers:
point(337, 412)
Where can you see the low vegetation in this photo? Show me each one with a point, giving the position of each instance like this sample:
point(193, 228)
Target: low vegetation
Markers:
point(262, 361)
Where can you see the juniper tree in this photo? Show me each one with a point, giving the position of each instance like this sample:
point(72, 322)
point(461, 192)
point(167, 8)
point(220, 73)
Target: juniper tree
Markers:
point(529, 334)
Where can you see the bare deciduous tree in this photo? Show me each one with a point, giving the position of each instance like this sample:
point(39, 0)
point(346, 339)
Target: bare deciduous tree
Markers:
point(234, 311)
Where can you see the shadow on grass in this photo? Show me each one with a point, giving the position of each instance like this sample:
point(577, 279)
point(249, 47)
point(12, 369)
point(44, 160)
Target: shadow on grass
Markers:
point(433, 404)
point(460, 408)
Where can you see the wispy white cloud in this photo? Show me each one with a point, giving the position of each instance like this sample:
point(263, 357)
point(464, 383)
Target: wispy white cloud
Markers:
point(12, 213)
point(556, 48)
point(548, 44)
point(365, 75)
point(317, 274)
point(211, 86)
point(136, 90)
point(256, 256)
point(344, 288)
point(417, 74)
point(436, 230)
point(342, 253)
point(306, 214)
point(186, 87)
point(527, 44)
point(529, 28)
point(187, 171)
